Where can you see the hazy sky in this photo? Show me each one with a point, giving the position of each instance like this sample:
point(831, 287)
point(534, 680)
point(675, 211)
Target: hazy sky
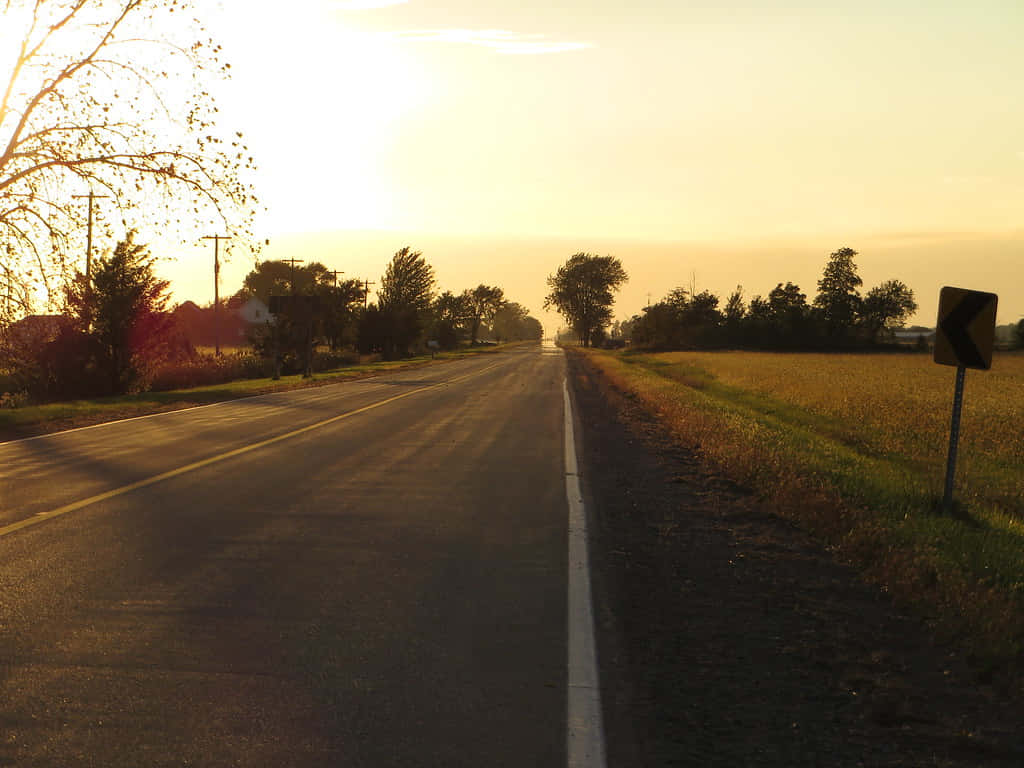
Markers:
point(741, 141)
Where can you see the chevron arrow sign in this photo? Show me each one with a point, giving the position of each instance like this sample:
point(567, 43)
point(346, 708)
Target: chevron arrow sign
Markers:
point(966, 328)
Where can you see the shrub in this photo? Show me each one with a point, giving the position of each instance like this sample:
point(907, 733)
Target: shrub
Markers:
point(13, 399)
point(329, 360)
point(205, 370)
point(51, 363)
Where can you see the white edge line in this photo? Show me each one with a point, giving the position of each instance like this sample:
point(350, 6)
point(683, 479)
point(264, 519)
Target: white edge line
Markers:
point(585, 737)
point(98, 424)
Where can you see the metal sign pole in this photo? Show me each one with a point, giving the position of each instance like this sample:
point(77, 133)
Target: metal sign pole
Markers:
point(954, 438)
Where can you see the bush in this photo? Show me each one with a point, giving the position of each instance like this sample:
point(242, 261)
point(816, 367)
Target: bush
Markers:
point(13, 399)
point(51, 363)
point(205, 370)
point(329, 360)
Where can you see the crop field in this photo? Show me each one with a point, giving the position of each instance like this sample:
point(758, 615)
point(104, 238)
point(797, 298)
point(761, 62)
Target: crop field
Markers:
point(853, 447)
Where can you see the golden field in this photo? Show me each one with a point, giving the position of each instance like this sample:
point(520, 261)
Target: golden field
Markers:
point(853, 447)
point(884, 406)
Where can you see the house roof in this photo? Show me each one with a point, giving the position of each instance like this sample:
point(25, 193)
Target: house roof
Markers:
point(187, 306)
point(38, 326)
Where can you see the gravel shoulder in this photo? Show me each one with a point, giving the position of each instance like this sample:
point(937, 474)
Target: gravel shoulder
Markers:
point(728, 637)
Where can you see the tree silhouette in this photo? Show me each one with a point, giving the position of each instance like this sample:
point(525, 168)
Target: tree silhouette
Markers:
point(790, 313)
point(838, 299)
point(582, 290)
point(340, 306)
point(87, 105)
point(408, 283)
point(513, 323)
point(403, 302)
point(281, 278)
point(123, 309)
point(450, 312)
point(887, 306)
point(734, 312)
point(483, 302)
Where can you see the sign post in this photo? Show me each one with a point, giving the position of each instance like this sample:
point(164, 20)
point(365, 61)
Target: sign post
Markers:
point(954, 438)
point(964, 335)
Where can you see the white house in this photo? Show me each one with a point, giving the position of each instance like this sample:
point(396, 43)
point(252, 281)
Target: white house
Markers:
point(254, 311)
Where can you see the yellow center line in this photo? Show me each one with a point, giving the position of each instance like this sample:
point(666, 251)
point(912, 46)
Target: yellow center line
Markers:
point(40, 517)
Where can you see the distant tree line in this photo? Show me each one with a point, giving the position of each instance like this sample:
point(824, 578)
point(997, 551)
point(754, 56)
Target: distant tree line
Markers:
point(409, 315)
point(838, 316)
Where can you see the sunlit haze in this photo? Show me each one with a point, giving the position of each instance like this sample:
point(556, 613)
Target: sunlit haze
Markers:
point(727, 143)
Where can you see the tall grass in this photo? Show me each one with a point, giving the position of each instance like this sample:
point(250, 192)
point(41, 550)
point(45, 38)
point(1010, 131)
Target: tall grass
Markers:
point(854, 447)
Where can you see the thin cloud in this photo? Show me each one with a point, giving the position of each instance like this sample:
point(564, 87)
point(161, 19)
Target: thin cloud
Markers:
point(499, 40)
point(362, 5)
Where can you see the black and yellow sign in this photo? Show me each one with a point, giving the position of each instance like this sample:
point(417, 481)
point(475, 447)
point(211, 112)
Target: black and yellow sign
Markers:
point(966, 328)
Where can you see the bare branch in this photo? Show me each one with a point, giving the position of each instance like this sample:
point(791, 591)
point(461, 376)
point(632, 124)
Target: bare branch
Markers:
point(85, 106)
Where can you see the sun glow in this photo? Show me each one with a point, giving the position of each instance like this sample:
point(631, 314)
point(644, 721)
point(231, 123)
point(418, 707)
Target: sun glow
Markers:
point(334, 94)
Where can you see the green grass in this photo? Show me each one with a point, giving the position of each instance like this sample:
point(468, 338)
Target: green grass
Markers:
point(843, 454)
point(50, 417)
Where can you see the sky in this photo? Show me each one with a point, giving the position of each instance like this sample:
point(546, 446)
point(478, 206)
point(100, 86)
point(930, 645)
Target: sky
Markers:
point(720, 143)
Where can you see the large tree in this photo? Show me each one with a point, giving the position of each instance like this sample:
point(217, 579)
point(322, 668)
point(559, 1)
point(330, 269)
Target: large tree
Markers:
point(340, 307)
point(403, 302)
point(790, 312)
point(449, 308)
point(450, 312)
point(280, 278)
point(887, 307)
point(838, 299)
point(483, 302)
point(735, 308)
point(408, 282)
point(583, 291)
point(123, 308)
point(108, 97)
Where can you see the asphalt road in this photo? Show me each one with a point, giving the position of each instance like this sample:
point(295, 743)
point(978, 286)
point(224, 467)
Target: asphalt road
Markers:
point(370, 573)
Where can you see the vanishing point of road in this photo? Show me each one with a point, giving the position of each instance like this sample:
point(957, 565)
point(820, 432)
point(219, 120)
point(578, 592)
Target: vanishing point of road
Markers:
point(364, 574)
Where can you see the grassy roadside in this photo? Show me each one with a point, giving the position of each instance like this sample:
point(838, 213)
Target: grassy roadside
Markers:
point(837, 457)
point(54, 417)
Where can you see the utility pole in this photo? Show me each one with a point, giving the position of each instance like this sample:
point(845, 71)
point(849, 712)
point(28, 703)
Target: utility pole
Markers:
point(293, 262)
point(88, 234)
point(366, 292)
point(216, 288)
point(335, 272)
point(88, 256)
point(7, 294)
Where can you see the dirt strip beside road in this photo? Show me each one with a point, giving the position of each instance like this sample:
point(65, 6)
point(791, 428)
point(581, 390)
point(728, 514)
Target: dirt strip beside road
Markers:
point(727, 637)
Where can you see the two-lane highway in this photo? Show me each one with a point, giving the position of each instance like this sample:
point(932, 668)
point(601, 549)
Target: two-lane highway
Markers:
point(371, 573)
